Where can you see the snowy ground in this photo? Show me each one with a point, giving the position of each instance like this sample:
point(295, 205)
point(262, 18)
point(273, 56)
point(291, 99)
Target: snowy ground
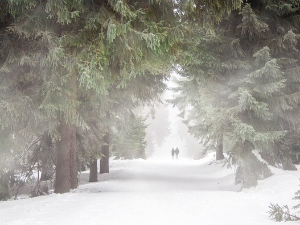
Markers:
point(158, 192)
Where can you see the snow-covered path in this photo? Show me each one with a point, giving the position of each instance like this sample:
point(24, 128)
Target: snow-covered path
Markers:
point(157, 192)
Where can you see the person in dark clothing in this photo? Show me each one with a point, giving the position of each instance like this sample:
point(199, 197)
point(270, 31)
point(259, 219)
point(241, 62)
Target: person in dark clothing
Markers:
point(173, 152)
point(177, 152)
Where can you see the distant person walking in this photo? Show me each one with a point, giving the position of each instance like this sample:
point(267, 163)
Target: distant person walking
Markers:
point(177, 152)
point(173, 152)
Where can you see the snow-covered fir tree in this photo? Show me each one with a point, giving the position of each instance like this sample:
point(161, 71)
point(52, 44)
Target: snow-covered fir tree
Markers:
point(242, 85)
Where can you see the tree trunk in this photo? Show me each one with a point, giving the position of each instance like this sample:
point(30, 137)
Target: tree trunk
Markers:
point(46, 157)
point(66, 167)
point(219, 151)
point(93, 170)
point(47, 170)
point(104, 162)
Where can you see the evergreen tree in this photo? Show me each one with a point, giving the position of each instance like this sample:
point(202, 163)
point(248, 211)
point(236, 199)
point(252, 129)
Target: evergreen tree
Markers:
point(63, 53)
point(241, 84)
point(129, 142)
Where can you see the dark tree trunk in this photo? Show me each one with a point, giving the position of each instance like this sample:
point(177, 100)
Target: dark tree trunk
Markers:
point(93, 170)
point(47, 171)
point(104, 162)
point(73, 156)
point(66, 167)
point(47, 153)
point(219, 151)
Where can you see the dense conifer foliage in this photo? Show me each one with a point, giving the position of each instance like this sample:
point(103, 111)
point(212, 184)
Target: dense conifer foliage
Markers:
point(242, 85)
point(62, 63)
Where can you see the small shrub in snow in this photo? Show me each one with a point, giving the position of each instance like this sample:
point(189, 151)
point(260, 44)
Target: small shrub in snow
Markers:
point(297, 197)
point(279, 213)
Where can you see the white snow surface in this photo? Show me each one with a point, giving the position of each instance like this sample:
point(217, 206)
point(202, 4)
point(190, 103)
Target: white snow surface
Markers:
point(159, 192)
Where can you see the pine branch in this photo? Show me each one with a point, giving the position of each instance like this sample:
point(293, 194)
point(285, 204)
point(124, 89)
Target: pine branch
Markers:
point(279, 213)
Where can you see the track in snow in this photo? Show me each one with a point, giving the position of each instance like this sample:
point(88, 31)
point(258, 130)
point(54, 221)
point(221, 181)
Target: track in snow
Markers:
point(165, 175)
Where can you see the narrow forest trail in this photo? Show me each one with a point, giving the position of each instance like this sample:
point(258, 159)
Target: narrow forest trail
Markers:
point(166, 175)
point(151, 192)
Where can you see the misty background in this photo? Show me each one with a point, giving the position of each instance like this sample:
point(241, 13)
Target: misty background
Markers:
point(166, 129)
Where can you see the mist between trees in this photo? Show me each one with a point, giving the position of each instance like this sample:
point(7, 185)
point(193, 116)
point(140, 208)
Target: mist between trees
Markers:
point(76, 75)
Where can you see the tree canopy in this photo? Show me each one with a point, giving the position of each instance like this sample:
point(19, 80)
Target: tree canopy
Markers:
point(241, 82)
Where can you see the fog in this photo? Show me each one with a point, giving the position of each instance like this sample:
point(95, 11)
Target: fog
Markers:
point(166, 131)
